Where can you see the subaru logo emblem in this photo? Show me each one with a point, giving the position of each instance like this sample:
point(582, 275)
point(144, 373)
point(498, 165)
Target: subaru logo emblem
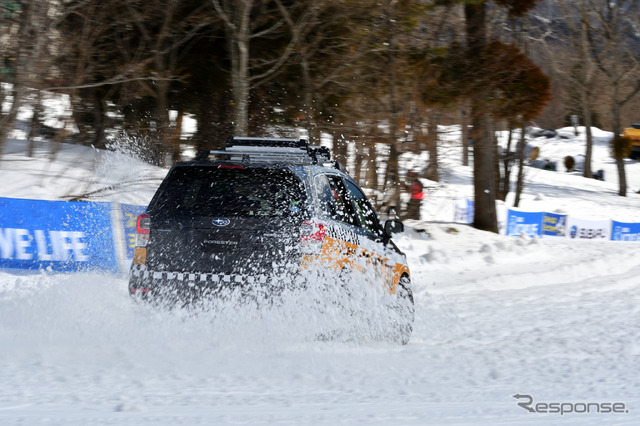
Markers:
point(220, 221)
point(574, 231)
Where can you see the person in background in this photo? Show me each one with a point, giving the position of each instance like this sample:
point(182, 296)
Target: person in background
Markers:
point(416, 192)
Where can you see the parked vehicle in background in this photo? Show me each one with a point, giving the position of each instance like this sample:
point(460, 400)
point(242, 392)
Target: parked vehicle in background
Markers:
point(633, 133)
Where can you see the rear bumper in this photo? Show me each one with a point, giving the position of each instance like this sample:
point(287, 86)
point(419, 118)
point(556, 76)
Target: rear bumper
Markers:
point(162, 284)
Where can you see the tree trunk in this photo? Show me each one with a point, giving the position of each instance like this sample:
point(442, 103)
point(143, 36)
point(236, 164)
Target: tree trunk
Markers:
point(360, 166)
point(586, 112)
point(485, 217)
point(464, 119)
point(371, 177)
point(392, 173)
point(432, 147)
point(586, 99)
point(210, 134)
point(29, 65)
point(507, 161)
point(312, 128)
point(100, 140)
point(175, 138)
point(340, 149)
point(237, 29)
point(34, 129)
point(371, 172)
point(615, 116)
point(241, 84)
point(622, 176)
point(520, 183)
point(392, 178)
point(161, 110)
point(8, 120)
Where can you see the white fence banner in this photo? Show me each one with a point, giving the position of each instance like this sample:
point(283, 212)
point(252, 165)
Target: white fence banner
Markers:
point(580, 229)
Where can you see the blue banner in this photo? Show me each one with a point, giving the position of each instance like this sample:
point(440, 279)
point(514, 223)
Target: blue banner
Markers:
point(464, 211)
point(523, 222)
point(129, 216)
point(554, 225)
point(56, 235)
point(623, 231)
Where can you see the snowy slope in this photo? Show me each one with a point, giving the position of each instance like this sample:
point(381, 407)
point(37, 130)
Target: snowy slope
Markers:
point(496, 316)
point(76, 172)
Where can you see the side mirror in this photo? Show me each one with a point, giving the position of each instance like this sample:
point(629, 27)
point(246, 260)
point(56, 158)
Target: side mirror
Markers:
point(391, 227)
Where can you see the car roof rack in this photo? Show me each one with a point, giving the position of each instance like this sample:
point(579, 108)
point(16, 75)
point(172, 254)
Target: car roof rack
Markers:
point(246, 149)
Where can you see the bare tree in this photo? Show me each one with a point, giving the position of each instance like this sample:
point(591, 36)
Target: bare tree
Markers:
point(246, 21)
point(386, 85)
point(568, 54)
point(521, 157)
point(30, 29)
point(465, 134)
point(124, 58)
point(485, 216)
point(609, 27)
point(331, 49)
point(162, 43)
point(500, 82)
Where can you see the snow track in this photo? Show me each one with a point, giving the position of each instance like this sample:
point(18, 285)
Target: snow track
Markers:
point(77, 350)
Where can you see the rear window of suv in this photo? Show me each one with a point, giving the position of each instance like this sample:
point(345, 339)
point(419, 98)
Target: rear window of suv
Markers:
point(234, 191)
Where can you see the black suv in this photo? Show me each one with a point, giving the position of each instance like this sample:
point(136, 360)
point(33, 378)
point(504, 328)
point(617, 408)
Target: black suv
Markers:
point(258, 211)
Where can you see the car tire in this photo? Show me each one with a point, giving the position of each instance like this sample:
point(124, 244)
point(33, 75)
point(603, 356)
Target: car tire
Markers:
point(404, 311)
point(345, 279)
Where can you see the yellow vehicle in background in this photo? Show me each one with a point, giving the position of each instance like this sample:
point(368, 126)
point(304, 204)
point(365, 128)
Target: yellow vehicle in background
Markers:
point(633, 133)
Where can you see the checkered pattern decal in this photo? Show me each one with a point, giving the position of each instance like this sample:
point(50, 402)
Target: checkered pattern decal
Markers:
point(141, 271)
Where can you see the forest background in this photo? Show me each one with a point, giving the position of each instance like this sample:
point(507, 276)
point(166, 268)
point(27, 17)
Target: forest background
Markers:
point(377, 76)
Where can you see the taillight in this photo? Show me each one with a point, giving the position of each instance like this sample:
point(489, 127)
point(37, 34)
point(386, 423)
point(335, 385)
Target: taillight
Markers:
point(143, 225)
point(312, 236)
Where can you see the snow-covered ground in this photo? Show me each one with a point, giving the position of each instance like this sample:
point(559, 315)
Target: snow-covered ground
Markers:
point(555, 321)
